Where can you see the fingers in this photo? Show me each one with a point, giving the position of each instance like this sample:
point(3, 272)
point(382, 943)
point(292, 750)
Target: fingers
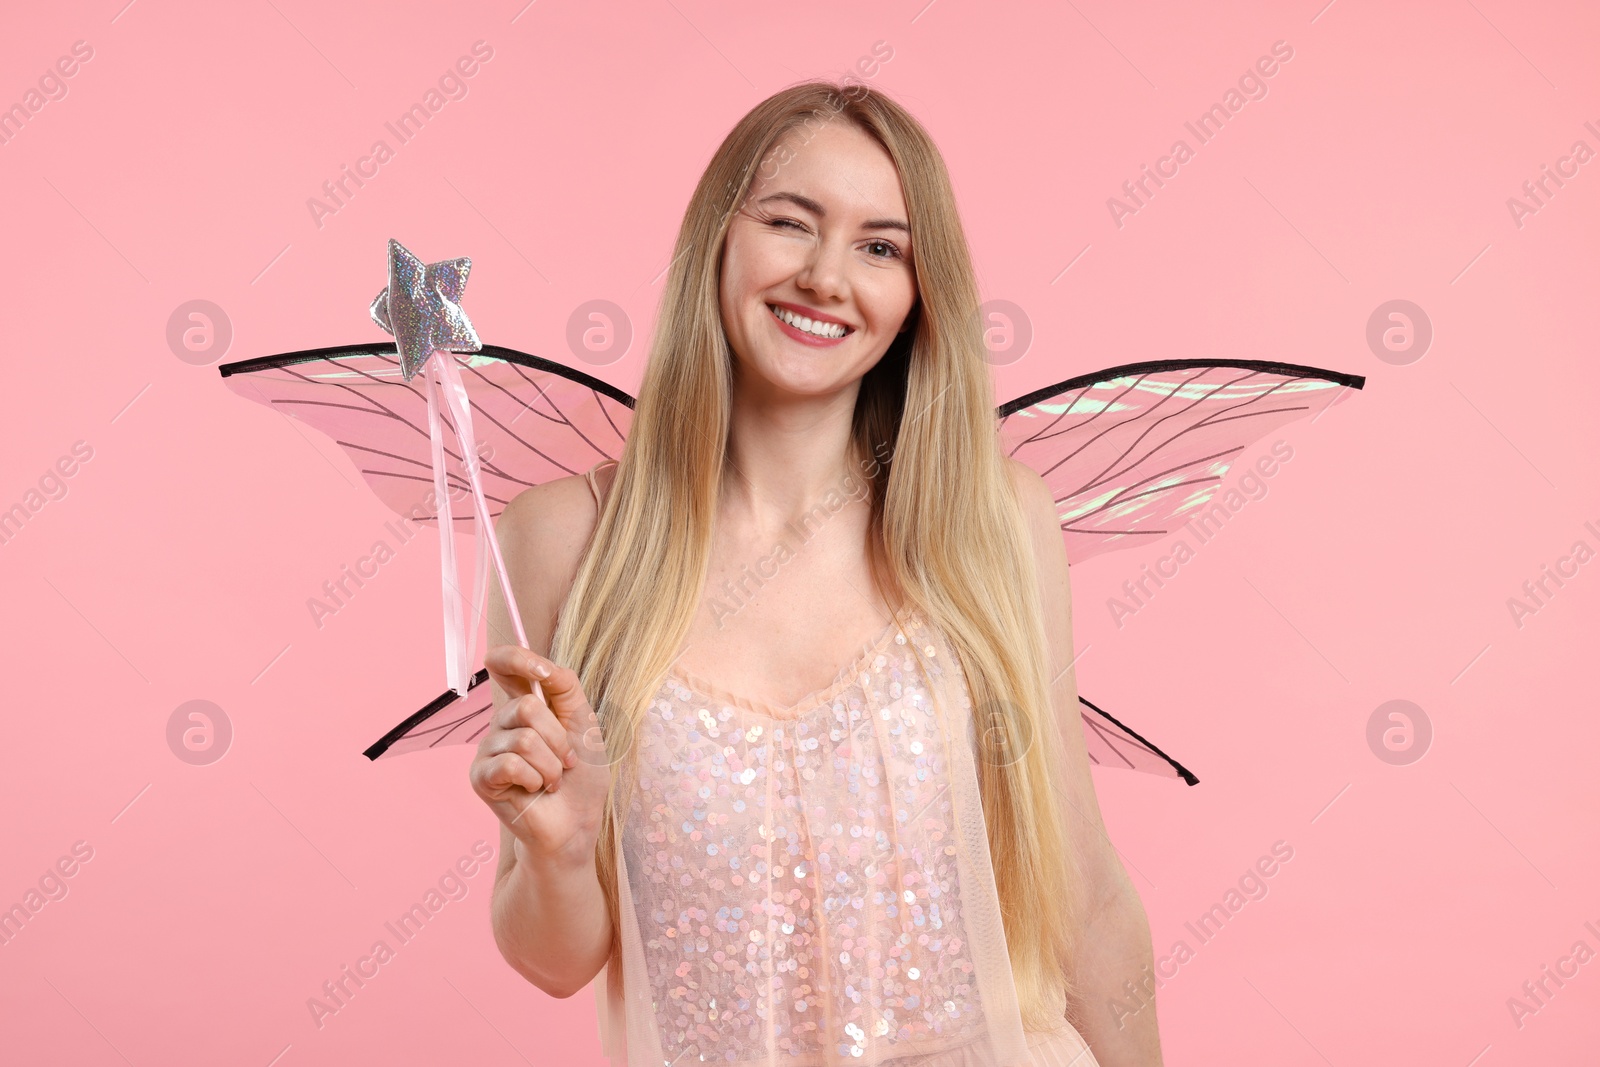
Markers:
point(495, 776)
point(561, 693)
point(548, 755)
point(523, 711)
point(561, 687)
point(515, 668)
point(511, 667)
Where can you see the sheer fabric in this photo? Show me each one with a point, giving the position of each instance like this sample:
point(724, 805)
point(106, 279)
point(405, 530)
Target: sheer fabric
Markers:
point(811, 885)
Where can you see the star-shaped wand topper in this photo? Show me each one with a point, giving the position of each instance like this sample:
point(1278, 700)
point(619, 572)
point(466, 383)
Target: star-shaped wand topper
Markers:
point(421, 306)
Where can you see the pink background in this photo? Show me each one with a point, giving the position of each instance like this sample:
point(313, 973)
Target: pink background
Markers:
point(178, 564)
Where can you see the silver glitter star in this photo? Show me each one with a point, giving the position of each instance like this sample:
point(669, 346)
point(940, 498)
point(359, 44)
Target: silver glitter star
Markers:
point(421, 306)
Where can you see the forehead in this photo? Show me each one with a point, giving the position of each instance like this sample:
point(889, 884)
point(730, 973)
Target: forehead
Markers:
point(836, 163)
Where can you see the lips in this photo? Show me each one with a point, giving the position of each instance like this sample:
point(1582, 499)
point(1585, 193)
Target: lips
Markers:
point(805, 337)
point(814, 316)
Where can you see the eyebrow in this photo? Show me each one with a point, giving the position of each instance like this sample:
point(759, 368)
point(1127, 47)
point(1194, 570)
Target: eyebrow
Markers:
point(818, 210)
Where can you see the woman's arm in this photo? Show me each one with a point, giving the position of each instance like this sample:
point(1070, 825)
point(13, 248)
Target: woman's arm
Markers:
point(549, 917)
point(1114, 944)
point(548, 910)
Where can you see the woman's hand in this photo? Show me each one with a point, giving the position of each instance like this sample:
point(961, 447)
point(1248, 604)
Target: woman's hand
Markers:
point(542, 768)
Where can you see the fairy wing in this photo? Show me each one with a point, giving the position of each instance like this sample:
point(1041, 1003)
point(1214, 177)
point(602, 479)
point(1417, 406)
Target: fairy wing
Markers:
point(534, 419)
point(1111, 744)
point(538, 420)
point(447, 719)
point(1131, 452)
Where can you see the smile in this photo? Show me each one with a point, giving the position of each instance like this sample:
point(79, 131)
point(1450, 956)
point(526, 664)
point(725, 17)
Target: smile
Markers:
point(824, 331)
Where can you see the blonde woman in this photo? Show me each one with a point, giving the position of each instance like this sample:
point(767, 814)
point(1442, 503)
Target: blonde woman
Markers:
point(805, 784)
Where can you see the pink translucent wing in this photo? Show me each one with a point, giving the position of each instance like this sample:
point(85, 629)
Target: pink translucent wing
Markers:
point(1111, 744)
point(1131, 452)
point(534, 419)
point(447, 719)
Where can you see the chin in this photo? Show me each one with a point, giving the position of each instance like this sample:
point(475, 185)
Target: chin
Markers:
point(786, 377)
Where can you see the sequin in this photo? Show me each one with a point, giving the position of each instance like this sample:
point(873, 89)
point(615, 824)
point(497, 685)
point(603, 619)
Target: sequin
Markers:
point(792, 901)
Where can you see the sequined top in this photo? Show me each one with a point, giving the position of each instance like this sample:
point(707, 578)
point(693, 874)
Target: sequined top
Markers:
point(811, 885)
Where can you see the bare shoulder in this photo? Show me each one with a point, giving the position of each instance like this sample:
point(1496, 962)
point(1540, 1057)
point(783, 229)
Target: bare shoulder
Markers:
point(553, 520)
point(1033, 493)
point(1043, 520)
point(543, 533)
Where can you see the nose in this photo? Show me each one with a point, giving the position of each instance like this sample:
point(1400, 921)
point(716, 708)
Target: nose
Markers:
point(824, 271)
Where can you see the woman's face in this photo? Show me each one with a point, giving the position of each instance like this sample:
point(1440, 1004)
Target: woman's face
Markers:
point(822, 236)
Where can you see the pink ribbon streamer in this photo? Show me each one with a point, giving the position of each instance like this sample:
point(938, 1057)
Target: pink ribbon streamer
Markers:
point(443, 379)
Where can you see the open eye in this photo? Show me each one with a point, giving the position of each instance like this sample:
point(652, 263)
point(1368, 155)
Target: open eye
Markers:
point(893, 253)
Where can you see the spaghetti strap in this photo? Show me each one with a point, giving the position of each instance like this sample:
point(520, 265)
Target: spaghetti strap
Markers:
point(593, 487)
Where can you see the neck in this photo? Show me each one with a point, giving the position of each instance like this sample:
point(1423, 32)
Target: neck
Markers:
point(787, 457)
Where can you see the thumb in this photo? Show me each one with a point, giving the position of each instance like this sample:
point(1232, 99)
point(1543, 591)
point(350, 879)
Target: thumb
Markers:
point(514, 669)
point(564, 695)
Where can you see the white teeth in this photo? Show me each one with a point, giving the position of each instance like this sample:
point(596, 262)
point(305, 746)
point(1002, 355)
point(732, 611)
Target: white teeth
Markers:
point(800, 322)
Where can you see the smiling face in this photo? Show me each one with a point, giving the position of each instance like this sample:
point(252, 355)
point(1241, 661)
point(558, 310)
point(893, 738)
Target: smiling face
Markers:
point(816, 273)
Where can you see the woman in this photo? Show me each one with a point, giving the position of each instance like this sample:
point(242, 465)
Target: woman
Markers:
point(757, 855)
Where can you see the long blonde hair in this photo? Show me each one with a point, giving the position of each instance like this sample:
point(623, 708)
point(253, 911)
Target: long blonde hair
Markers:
point(946, 530)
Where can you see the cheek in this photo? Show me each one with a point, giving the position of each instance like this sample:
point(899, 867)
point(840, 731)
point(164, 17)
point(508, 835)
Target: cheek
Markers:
point(889, 304)
point(737, 281)
point(730, 284)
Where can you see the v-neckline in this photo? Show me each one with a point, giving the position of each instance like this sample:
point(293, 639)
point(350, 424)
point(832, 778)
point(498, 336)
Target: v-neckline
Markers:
point(843, 679)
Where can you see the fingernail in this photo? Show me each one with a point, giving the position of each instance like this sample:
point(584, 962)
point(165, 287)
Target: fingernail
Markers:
point(541, 670)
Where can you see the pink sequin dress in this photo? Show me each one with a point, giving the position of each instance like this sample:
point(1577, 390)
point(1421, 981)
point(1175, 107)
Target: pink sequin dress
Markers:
point(811, 885)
